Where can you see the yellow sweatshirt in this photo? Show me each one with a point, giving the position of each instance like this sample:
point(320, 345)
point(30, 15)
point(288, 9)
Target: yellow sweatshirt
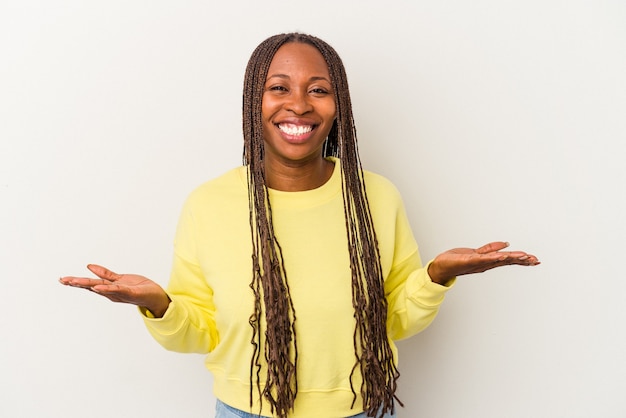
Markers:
point(212, 301)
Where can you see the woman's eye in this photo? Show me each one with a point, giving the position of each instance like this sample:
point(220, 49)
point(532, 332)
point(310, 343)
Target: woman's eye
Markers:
point(277, 88)
point(319, 91)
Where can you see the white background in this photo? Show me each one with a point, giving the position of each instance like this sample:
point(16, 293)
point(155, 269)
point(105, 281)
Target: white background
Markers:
point(497, 120)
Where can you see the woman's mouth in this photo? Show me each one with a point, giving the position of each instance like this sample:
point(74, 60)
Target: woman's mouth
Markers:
point(292, 131)
point(295, 130)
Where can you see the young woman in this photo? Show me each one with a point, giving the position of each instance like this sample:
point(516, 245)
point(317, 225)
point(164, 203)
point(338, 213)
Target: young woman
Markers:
point(295, 272)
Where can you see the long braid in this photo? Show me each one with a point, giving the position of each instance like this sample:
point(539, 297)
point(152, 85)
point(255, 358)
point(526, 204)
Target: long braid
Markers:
point(374, 357)
point(269, 279)
point(372, 348)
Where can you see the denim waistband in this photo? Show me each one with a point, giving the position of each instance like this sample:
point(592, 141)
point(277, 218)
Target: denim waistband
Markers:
point(226, 411)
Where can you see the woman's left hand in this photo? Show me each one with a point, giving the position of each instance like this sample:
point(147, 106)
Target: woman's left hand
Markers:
point(460, 261)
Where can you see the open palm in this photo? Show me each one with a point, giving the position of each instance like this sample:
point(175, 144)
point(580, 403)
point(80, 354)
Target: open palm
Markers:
point(125, 288)
point(461, 261)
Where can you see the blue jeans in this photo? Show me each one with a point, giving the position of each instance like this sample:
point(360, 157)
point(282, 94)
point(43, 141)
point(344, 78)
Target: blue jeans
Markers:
point(224, 411)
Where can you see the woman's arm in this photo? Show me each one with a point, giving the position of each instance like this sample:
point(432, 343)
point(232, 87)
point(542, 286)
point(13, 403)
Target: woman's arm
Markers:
point(124, 288)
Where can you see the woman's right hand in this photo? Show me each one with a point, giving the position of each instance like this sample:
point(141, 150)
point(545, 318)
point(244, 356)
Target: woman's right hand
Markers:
point(124, 288)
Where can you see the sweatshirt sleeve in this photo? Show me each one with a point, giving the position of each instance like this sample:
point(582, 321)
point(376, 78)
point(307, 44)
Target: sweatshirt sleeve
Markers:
point(413, 298)
point(188, 325)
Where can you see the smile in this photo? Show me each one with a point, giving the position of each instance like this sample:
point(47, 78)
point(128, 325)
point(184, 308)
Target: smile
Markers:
point(295, 130)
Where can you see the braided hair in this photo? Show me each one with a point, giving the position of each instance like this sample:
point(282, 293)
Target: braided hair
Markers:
point(373, 353)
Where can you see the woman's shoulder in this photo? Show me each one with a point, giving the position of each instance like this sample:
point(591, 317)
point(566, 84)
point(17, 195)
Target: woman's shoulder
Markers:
point(229, 184)
point(379, 185)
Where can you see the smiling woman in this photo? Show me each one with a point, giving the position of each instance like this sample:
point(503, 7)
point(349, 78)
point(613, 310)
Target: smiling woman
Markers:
point(298, 110)
point(291, 278)
point(304, 71)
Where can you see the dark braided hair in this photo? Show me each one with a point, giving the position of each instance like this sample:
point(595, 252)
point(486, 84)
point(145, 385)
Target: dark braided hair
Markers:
point(374, 357)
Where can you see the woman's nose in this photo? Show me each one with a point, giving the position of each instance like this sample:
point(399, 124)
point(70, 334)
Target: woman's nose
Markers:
point(299, 102)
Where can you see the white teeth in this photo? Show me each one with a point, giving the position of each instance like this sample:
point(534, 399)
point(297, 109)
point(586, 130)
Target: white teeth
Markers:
point(291, 129)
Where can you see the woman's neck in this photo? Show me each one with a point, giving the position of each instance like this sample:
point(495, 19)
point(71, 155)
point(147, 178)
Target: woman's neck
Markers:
point(297, 177)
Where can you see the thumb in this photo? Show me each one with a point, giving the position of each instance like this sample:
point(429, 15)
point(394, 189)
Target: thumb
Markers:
point(103, 272)
point(492, 247)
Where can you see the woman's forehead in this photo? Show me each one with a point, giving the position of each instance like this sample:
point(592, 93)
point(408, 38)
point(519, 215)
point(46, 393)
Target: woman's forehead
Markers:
point(297, 56)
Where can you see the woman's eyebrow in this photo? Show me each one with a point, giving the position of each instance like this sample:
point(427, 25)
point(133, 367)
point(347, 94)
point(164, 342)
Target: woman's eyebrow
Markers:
point(285, 76)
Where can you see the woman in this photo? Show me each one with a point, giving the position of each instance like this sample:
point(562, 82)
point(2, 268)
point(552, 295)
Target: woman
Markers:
point(295, 272)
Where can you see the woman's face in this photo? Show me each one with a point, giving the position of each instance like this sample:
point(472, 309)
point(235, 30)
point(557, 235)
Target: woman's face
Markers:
point(298, 106)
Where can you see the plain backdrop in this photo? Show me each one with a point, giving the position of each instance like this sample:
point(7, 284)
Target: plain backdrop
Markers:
point(497, 120)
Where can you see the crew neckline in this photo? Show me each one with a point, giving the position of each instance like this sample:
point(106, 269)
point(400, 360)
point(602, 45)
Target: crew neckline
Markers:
point(305, 198)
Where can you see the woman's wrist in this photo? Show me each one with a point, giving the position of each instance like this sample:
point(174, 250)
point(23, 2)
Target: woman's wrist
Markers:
point(435, 275)
point(159, 308)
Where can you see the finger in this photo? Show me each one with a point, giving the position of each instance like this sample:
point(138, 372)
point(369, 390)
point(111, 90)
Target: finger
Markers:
point(518, 257)
point(492, 247)
point(116, 293)
point(82, 282)
point(103, 272)
point(92, 285)
point(65, 280)
point(525, 260)
point(108, 288)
